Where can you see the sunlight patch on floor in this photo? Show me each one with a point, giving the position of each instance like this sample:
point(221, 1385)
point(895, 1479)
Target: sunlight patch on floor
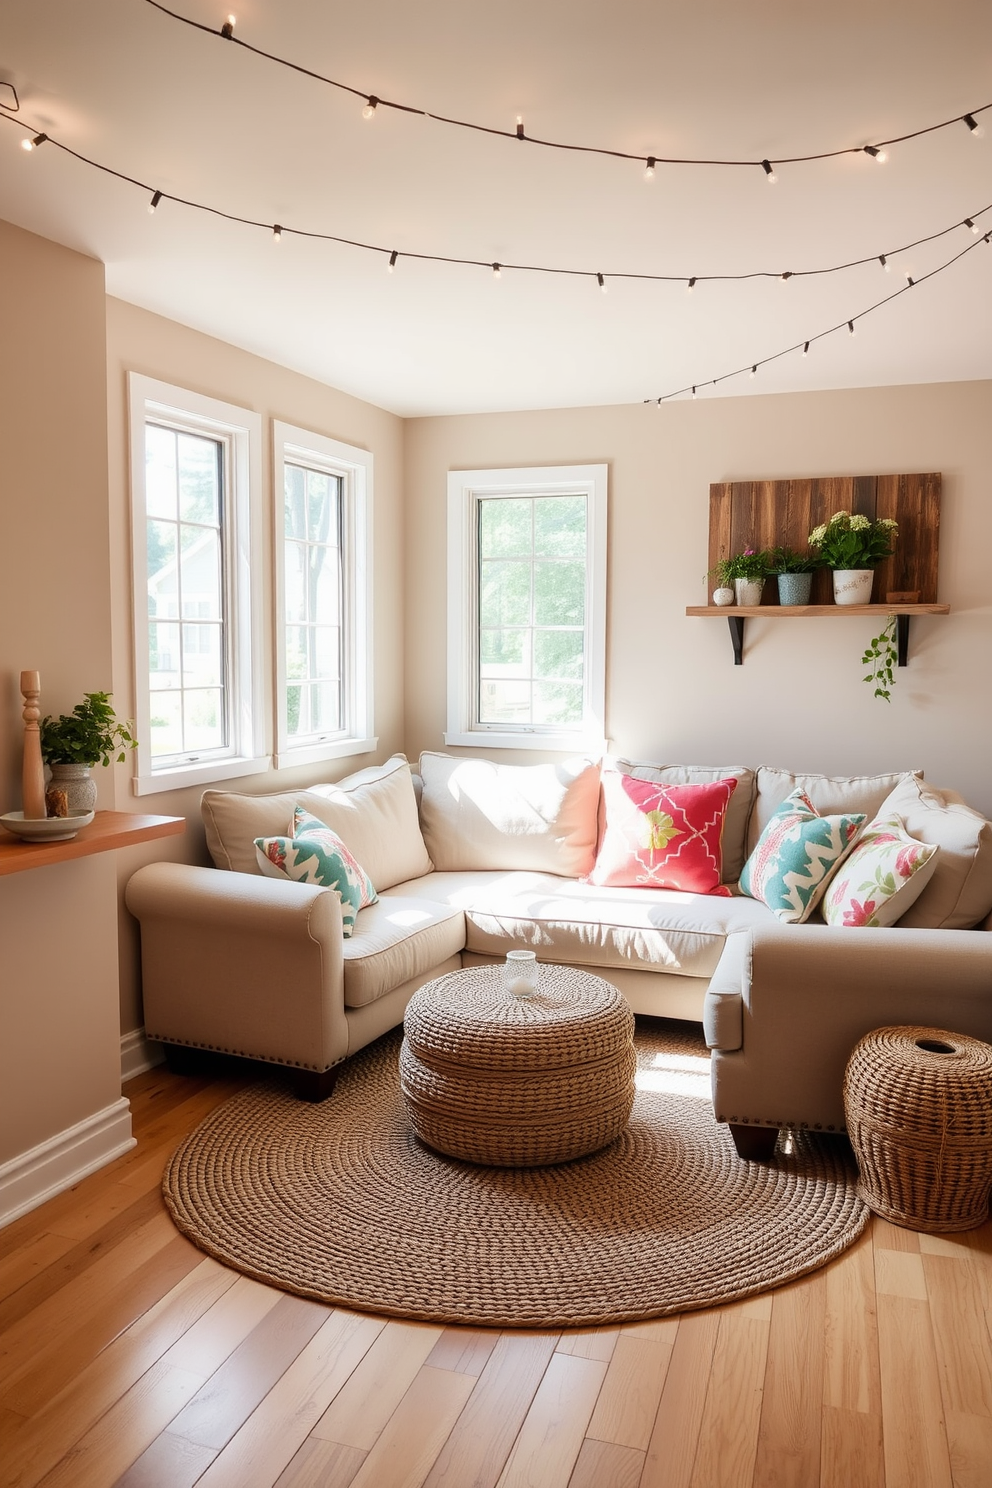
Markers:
point(676, 1074)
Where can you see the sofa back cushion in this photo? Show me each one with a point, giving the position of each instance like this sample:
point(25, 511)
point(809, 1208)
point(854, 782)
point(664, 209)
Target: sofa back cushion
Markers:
point(831, 795)
point(476, 814)
point(374, 811)
point(959, 894)
point(738, 811)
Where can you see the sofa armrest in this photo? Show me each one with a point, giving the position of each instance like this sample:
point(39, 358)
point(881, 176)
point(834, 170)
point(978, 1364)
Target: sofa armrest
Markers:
point(243, 964)
point(806, 994)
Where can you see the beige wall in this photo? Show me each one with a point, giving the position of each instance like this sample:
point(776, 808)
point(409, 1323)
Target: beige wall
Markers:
point(138, 341)
point(58, 985)
point(673, 693)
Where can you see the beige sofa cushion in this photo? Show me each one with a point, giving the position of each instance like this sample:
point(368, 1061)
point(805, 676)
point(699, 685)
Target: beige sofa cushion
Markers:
point(574, 923)
point(832, 795)
point(374, 811)
point(959, 894)
point(479, 815)
point(396, 940)
point(738, 811)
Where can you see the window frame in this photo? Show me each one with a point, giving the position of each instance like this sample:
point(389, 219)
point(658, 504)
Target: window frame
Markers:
point(466, 489)
point(240, 431)
point(355, 467)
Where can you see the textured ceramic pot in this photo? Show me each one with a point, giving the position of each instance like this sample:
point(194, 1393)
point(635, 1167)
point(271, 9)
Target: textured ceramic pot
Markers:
point(852, 586)
point(794, 588)
point(749, 591)
point(78, 783)
point(723, 596)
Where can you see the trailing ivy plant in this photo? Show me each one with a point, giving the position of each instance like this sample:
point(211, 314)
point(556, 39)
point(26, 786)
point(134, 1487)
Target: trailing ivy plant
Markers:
point(882, 656)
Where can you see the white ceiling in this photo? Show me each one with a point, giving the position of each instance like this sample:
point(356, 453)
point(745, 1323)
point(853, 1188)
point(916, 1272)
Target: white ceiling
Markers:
point(195, 116)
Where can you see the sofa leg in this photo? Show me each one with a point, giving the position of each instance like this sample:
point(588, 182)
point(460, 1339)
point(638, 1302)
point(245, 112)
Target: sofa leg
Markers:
point(314, 1085)
point(754, 1143)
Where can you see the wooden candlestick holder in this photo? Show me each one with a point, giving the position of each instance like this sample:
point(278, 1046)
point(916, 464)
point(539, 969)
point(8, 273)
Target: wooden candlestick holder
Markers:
point(33, 769)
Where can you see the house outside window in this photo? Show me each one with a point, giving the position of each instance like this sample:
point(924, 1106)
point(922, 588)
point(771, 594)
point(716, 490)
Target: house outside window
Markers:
point(323, 597)
point(197, 633)
point(527, 607)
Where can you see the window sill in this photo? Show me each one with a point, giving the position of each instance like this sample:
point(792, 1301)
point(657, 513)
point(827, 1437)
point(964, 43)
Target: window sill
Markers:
point(330, 749)
point(205, 774)
point(552, 743)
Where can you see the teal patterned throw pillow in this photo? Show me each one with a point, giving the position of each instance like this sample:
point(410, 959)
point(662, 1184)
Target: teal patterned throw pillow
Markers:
point(795, 857)
point(314, 854)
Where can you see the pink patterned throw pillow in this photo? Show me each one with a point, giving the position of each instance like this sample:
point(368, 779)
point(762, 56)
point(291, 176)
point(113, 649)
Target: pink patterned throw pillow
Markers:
point(662, 836)
point(883, 876)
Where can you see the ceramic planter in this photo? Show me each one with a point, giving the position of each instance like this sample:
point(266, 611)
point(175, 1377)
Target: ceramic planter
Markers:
point(749, 591)
point(852, 586)
point(794, 588)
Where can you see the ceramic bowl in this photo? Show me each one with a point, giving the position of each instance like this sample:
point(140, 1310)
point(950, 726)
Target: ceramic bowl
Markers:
point(45, 828)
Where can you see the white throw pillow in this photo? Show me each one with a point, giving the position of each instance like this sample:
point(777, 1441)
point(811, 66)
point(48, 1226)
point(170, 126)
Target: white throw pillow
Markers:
point(959, 894)
point(478, 815)
point(831, 795)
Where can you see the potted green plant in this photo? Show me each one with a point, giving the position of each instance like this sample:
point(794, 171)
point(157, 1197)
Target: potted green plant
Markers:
point(852, 546)
point(746, 571)
point(794, 571)
point(74, 742)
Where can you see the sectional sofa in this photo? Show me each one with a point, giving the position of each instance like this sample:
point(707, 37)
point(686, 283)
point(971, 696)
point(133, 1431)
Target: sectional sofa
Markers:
point(471, 859)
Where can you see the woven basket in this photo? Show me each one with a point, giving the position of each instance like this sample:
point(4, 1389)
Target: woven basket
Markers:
point(918, 1103)
point(495, 1080)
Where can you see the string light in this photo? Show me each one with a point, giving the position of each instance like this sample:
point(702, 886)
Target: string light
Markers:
point(33, 142)
point(690, 286)
point(227, 30)
point(973, 124)
point(694, 392)
point(368, 112)
point(601, 282)
point(406, 108)
point(156, 198)
point(884, 262)
point(649, 166)
point(276, 233)
point(392, 261)
point(769, 173)
point(805, 345)
point(497, 271)
point(968, 223)
point(877, 154)
point(520, 128)
point(786, 276)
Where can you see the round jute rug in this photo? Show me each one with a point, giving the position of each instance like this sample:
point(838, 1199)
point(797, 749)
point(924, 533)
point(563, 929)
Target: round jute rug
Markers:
point(341, 1202)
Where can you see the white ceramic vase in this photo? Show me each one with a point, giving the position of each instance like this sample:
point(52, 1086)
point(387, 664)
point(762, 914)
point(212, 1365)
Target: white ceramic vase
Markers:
point(749, 591)
point(852, 586)
point(723, 596)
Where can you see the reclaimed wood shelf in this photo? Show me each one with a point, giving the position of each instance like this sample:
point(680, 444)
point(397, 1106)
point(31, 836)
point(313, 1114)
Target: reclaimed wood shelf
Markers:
point(107, 830)
point(737, 614)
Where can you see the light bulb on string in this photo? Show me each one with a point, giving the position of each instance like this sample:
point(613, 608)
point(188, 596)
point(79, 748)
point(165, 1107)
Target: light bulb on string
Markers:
point(877, 154)
point(754, 371)
point(975, 128)
point(885, 263)
point(33, 142)
point(227, 30)
point(850, 327)
point(690, 286)
point(156, 198)
point(497, 271)
point(649, 166)
point(968, 223)
point(520, 127)
point(784, 278)
point(694, 392)
point(276, 233)
point(770, 175)
point(601, 282)
point(805, 348)
point(392, 261)
point(372, 103)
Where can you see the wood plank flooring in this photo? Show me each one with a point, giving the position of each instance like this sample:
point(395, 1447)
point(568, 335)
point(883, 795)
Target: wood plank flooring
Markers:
point(128, 1358)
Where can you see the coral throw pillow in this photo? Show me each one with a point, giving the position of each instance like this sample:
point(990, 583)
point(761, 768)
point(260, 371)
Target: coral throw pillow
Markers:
point(662, 836)
point(313, 853)
point(795, 856)
point(884, 875)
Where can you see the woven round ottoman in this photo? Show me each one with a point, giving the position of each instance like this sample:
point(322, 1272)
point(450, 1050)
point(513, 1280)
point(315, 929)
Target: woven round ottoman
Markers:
point(919, 1115)
point(511, 1082)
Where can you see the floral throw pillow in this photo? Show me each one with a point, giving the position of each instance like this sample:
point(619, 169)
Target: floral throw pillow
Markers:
point(884, 874)
point(662, 836)
point(314, 854)
point(795, 856)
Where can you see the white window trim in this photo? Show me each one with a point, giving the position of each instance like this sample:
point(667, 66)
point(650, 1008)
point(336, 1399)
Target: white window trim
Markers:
point(246, 755)
point(355, 466)
point(465, 487)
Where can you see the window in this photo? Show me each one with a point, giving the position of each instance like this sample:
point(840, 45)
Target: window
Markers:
point(194, 462)
point(527, 607)
point(323, 597)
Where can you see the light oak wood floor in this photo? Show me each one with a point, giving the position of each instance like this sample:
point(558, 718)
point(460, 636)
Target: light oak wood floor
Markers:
point(127, 1357)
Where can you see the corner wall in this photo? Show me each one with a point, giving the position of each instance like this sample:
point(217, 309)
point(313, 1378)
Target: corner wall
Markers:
point(673, 693)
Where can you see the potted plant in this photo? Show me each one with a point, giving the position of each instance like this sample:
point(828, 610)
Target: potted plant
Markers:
point(74, 742)
point(794, 571)
point(852, 546)
point(746, 571)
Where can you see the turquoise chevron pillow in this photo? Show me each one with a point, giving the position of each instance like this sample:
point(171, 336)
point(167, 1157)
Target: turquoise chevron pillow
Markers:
point(315, 854)
point(795, 857)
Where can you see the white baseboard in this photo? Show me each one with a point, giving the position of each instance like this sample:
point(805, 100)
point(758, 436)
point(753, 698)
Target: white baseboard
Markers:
point(139, 1054)
point(28, 1180)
